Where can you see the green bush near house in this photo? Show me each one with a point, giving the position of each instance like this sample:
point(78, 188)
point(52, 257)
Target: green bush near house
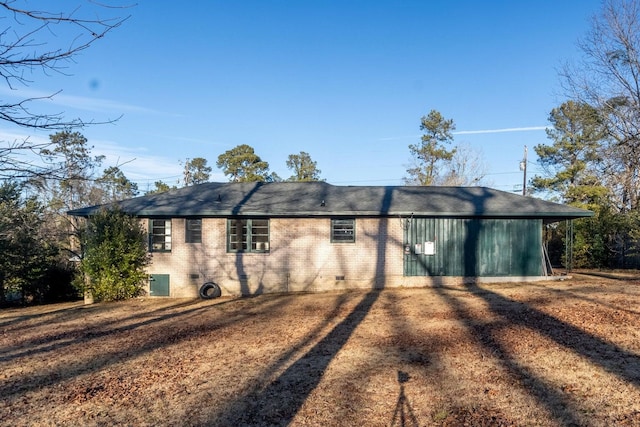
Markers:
point(114, 256)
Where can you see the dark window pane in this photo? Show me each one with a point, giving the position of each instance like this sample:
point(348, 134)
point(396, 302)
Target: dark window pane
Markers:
point(343, 230)
point(193, 232)
point(250, 235)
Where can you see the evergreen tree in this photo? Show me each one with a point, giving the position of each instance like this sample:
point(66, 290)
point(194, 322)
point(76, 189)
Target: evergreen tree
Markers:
point(73, 186)
point(242, 164)
point(575, 172)
point(160, 187)
point(303, 167)
point(196, 171)
point(571, 161)
point(431, 153)
point(26, 256)
point(115, 255)
point(115, 185)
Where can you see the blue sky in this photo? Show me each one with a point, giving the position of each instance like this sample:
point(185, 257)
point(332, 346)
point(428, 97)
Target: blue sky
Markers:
point(345, 81)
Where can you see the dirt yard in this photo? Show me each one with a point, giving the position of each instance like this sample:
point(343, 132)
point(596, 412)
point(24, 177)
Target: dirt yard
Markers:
point(544, 354)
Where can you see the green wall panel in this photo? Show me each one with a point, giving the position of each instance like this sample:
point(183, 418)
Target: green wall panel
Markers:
point(473, 247)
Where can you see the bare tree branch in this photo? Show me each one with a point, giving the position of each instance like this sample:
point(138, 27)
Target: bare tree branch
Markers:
point(26, 47)
point(39, 43)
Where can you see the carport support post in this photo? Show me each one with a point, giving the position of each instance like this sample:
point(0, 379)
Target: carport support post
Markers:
point(568, 246)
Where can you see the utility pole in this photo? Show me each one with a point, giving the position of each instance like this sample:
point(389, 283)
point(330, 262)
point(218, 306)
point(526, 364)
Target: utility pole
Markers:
point(523, 168)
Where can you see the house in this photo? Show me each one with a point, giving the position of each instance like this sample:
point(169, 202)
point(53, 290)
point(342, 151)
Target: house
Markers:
point(252, 238)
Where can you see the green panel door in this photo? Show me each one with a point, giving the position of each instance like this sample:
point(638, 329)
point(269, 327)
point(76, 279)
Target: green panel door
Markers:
point(159, 285)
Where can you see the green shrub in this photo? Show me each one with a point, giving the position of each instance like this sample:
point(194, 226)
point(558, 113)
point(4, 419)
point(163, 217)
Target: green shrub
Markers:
point(114, 256)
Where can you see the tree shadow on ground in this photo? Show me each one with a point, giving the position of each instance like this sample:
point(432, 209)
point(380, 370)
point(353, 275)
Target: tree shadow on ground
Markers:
point(607, 275)
point(613, 359)
point(557, 405)
point(46, 314)
point(155, 336)
point(83, 333)
point(287, 393)
point(578, 295)
point(555, 402)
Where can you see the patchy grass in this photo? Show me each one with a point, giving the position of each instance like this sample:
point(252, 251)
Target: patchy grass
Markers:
point(543, 354)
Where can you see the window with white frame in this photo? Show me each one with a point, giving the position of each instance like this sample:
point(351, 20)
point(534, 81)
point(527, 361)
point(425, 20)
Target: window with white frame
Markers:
point(160, 235)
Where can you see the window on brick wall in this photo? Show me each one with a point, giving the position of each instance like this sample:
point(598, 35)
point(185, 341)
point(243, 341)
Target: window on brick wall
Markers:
point(160, 235)
point(248, 235)
point(343, 230)
point(193, 230)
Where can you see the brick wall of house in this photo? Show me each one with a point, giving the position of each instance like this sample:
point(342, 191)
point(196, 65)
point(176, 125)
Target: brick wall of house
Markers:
point(301, 258)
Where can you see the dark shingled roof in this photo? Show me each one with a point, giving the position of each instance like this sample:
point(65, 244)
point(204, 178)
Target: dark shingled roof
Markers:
point(309, 199)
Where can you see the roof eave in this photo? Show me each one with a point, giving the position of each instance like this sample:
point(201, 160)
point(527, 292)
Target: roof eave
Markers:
point(547, 216)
